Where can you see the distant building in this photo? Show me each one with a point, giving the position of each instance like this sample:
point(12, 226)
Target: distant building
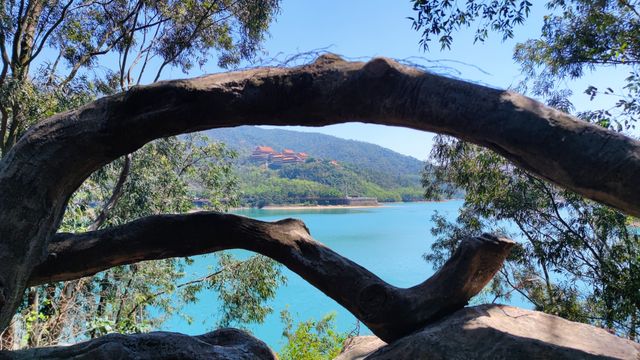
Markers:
point(270, 157)
point(276, 158)
point(291, 159)
point(262, 153)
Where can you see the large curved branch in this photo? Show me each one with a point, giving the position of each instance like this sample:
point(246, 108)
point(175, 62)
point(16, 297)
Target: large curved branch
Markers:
point(390, 312)
point(43, 169)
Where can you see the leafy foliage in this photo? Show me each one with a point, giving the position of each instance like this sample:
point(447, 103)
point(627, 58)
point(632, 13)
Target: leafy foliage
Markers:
point(244, 286)
point(580, 36)
point(576, 37)
point(576, 258)
point(442, 18)
point(313, 180)
point(142, 35)
point(311, 340)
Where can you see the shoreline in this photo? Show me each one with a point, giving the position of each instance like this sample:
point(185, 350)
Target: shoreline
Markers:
point(318, 207)
point(329, 207)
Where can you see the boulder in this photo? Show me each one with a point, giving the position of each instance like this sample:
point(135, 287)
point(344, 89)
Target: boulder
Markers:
point(359, 347)
point(501, 332)
point(227, 344)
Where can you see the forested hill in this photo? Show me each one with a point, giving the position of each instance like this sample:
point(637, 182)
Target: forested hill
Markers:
point(367, 156)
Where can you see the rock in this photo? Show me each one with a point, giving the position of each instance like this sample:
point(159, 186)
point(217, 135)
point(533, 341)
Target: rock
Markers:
point(227, 344)
point(504, 332)
point(358, 347)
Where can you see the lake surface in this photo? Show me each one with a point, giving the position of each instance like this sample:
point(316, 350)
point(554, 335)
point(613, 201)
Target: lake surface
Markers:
point(388, 240)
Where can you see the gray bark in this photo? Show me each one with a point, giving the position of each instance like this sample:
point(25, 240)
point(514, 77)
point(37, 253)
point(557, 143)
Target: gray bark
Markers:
point(390, 312)
point(39, 174)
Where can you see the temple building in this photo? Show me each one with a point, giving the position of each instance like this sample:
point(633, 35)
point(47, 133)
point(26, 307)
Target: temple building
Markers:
point(272, 158)
point(262, 153)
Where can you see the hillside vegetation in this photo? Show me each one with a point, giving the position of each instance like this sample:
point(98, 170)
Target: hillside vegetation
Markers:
point(335, 168)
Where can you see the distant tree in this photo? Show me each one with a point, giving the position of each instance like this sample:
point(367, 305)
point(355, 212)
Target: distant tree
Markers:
point(294, 183)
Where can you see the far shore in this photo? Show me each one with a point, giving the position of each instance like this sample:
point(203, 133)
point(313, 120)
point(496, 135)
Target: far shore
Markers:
point(323, 207)
point(314, 207)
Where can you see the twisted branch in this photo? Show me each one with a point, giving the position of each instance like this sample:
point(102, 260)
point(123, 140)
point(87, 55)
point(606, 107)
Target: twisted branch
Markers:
point(390, 312)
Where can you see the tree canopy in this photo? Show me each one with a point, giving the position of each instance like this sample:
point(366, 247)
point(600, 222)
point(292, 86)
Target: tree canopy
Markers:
point(577, 258)
point(576, 36)
point(141, 38)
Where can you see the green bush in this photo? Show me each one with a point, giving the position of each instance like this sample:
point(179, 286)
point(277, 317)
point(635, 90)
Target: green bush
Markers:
point(311, 340)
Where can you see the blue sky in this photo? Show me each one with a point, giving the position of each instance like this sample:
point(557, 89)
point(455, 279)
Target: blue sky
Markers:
point(361, 29)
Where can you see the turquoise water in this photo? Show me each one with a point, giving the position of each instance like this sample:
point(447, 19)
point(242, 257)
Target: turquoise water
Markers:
point(388, 240)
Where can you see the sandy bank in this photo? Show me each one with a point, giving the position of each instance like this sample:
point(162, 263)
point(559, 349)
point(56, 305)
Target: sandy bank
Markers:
point(321, 207)
point(318, 207)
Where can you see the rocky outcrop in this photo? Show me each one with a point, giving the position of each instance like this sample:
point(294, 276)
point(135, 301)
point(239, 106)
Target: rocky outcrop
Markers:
point(227, 344)
point(499, 332)
point(359, 347)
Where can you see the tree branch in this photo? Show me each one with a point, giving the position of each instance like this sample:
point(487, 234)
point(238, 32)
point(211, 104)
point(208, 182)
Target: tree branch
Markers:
point(128, 38)
point(6, 61)
point(115, 194)
point(17, 36)
point(49, 32)
point(3, 129)
point(99, 50)
point(32, 16)
point(191, 37)
point(390, 312)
